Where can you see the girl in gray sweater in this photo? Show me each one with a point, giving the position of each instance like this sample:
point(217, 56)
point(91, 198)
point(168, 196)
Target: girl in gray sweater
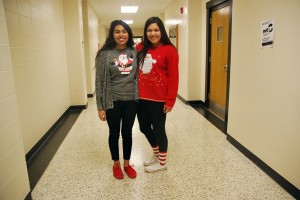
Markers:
point(117, 92)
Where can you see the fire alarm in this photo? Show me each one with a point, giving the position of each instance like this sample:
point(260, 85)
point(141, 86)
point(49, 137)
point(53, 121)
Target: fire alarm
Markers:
point(181, 10)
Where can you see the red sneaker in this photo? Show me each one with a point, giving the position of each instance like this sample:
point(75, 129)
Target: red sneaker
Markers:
point(117, 171)
point(130, 171)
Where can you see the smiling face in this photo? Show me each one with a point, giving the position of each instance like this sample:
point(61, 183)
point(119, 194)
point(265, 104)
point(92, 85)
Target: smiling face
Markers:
point(154, 34)
point(120, 37)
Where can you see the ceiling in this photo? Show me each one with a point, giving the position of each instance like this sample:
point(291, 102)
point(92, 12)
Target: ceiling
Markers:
point(109, 10)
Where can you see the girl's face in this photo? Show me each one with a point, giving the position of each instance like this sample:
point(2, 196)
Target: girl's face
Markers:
point(120, 36)
point(154, 34)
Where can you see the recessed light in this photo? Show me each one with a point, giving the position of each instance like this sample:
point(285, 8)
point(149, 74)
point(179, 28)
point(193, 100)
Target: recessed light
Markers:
point(128, 21)
point(129, 9)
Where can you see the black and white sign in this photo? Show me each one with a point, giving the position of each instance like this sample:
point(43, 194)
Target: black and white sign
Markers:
point(267, 33)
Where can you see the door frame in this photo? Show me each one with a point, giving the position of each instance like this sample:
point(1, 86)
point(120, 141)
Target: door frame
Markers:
point(211, 6)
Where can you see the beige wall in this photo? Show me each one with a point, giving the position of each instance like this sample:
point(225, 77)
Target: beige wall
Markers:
point(35, 83)
point(73, 20)
point(37, 45)
point(173, 17)
point(265, 84)
point(138, 31)
point(103, 33)
point(14, 183)
point(91, 40)
point(195, 44)
point(189, 46)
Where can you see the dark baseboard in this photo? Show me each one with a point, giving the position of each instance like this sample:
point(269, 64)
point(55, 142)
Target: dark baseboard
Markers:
point(28, 197)
point(221, 125)
point(196, 103)
point(199, 106)
point(182, 99)
point(48, 134)
point(189, 102)
point(90, 95)
point(81, 107)
point(285, 184)
point(40, 155)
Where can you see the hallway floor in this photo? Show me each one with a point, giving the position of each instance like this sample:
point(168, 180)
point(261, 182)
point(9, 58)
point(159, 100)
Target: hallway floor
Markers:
point(202, 164)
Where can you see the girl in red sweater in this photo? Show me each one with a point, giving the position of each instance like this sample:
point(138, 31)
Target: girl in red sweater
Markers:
point(158, 86)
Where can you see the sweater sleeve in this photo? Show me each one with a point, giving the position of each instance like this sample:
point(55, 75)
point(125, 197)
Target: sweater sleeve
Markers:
point(172, 76)
point(136, 79)
point(99, 81)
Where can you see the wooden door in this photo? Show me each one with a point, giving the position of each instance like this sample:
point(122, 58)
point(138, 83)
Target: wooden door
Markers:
point(219, 61)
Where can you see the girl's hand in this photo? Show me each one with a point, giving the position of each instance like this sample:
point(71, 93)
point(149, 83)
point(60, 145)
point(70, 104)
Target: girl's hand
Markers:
point(167, 109)
point(102, 115)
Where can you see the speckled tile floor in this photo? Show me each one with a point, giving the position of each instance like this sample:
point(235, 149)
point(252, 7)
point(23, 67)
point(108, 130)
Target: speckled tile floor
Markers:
point(202, 164)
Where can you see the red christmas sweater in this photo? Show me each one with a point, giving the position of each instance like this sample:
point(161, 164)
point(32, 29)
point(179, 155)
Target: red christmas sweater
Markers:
point(158, 77)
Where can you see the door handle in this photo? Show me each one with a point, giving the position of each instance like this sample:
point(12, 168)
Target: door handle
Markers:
point(225, 68)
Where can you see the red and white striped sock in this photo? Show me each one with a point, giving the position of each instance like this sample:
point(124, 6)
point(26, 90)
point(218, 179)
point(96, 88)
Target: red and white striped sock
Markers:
point(162, 158)
point(156, 150)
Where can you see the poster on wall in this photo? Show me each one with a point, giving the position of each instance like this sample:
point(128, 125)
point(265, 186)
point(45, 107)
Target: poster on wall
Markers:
point(267, 33)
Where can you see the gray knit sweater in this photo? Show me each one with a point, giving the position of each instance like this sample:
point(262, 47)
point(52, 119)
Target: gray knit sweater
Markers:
point(103, 83)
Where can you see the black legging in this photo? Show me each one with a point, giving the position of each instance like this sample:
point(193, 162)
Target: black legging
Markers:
point(152, 122)
point(123, 113)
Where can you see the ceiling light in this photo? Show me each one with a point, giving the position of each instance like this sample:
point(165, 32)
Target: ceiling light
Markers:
point(128, 21)
point(129, 9)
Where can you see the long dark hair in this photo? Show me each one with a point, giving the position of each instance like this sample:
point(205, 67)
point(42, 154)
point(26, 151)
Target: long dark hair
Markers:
point(110, 41)
point(146, 43)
